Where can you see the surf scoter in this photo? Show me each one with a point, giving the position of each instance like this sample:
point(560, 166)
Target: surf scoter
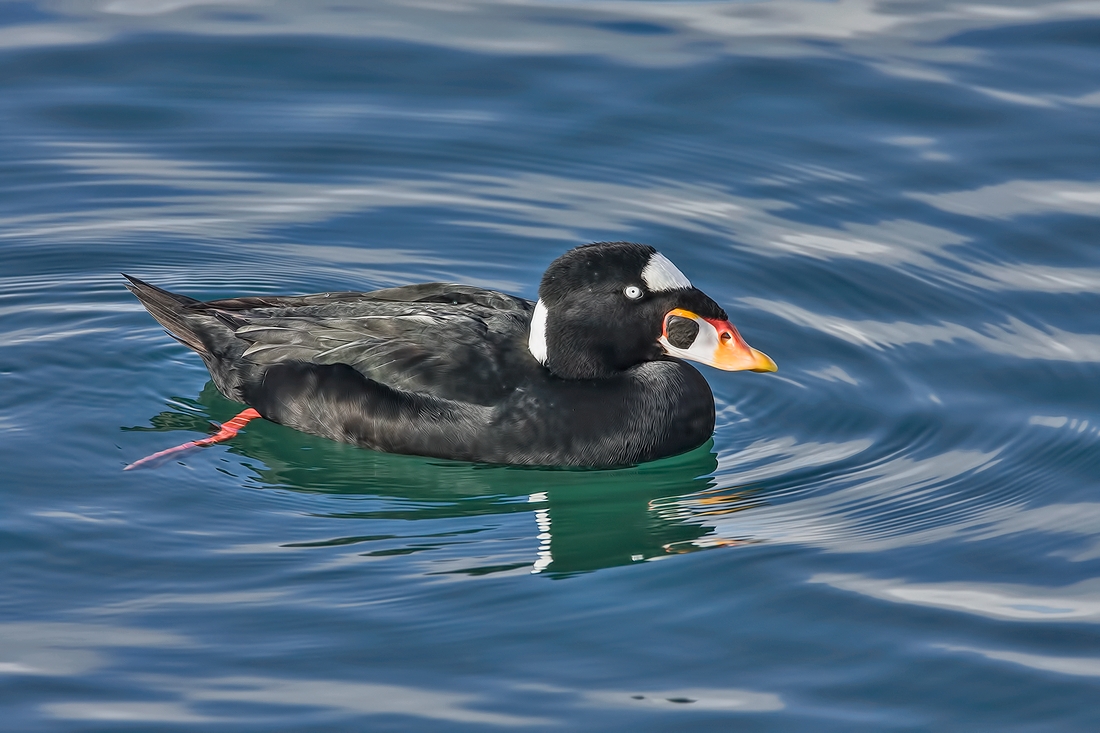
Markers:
point(590, 375)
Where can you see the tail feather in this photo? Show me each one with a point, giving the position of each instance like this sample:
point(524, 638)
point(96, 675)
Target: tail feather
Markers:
point(169, 310)
point(205, 330)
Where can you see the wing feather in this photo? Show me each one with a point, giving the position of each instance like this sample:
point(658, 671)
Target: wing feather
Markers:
point(452, 341)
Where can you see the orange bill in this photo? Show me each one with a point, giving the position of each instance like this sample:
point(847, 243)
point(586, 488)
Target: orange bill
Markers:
point(717, 344)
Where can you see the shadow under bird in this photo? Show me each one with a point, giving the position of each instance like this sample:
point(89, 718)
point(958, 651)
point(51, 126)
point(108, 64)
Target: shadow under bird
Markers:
point(590, 375)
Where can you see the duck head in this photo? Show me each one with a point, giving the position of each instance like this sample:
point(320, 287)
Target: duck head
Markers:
point(609, 306)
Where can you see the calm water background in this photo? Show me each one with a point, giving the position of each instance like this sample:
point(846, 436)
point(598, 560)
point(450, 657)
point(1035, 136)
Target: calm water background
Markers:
point(897, 201)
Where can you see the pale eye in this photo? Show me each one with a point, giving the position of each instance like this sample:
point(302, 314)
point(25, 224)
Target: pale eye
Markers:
point(633, 292)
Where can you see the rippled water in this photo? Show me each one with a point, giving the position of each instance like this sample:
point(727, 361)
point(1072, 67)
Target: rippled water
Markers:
point(897, 201)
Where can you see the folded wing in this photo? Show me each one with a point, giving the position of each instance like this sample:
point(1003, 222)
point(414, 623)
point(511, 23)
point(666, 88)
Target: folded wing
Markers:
point(454, 341)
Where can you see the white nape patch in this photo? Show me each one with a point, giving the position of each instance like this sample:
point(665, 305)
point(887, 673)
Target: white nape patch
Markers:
point(536, 342)
point(660, 274)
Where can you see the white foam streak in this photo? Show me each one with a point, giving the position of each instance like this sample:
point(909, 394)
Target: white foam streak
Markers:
point(1075, 666)
point(1012, 338)
point(1008, 602)
point(1019, 198)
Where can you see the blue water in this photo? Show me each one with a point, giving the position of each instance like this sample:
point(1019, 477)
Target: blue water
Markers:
point(900, 530)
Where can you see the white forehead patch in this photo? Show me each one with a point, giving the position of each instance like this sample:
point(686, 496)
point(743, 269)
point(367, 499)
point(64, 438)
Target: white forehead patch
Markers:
point(660, 274)
point(536, 342)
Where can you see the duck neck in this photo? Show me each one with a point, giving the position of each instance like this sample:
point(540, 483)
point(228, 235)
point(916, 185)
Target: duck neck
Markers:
point(572, 353)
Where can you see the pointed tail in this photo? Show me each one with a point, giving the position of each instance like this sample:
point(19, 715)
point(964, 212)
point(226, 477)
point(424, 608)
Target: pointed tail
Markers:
point(170, 311)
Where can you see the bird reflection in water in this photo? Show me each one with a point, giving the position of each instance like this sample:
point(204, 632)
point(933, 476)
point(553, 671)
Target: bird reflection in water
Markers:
point(584, 520)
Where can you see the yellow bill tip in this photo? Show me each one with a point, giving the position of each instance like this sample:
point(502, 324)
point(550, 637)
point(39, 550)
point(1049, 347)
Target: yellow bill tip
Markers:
point(762, 362)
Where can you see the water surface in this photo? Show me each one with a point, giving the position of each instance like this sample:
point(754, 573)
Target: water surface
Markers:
point(897, 201)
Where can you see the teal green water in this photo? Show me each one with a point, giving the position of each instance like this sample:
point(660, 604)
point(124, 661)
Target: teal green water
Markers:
point(897, 201)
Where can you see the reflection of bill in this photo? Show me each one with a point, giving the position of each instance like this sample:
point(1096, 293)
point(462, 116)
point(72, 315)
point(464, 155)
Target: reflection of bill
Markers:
point(582, 529)
point(703, 505)
point(628, 540)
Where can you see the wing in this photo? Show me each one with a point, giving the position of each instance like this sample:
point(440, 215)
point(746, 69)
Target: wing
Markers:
point(446, 293)
point(452, 341)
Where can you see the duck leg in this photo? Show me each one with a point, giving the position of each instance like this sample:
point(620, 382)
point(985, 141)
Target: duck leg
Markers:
point(227, 431)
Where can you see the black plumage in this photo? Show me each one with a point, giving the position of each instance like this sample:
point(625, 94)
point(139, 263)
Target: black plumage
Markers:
point(446, 370)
